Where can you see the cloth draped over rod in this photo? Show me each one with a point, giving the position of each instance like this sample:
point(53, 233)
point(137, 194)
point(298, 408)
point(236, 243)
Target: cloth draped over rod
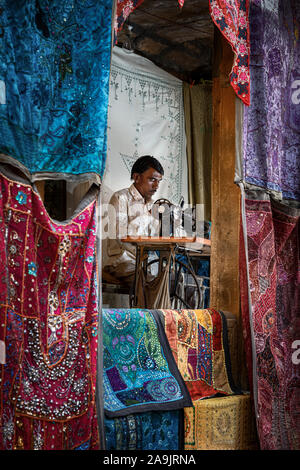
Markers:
point(270, 308)
point(268, 172)
point(140, 373)
point(271, 153)
point(54, 80)
point(195, 348)
point(49, 309)
point(231, 17)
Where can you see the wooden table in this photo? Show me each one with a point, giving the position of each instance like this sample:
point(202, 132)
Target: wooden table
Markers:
point(194, 245)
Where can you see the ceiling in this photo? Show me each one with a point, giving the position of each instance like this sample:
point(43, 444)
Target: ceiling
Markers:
point(179, 40)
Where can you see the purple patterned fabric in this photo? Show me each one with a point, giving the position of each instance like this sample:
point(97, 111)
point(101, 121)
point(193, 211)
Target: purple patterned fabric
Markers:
point(272, 122)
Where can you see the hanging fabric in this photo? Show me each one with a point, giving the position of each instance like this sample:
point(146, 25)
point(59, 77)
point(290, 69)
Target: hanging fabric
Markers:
point(124, 8)
point(198, 128)
point(49, 322)
point(146, 113)
point(270, 266)
point(140, 373)
point(231, 17)
point(271, 157)
point(54, 78)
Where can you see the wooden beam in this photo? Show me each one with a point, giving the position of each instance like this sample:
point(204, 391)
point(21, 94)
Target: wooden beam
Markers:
point(224, 285)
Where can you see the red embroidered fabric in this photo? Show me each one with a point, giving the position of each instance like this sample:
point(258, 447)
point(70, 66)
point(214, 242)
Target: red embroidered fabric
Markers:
point(123, 10)
point(48, 321)
point(273, 286)
point(232, 18)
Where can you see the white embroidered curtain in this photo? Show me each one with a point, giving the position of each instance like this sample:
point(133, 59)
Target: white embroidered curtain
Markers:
point(145, 117)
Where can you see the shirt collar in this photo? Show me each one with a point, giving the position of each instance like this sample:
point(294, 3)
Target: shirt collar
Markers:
point(138, 197)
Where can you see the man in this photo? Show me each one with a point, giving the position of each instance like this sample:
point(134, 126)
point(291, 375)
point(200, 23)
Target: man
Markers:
point(130, 209)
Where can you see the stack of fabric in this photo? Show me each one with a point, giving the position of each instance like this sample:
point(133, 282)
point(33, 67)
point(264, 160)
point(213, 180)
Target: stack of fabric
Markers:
point(49, 322)
point(144, 393)
point(163, 371)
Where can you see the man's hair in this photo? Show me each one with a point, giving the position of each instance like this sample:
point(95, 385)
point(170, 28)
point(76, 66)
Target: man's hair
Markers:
point(144, 163)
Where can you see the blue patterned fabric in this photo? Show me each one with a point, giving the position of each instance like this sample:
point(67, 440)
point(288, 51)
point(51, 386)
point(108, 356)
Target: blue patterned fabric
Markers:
point(153, 430)
point(139, 370)
point(54, 84)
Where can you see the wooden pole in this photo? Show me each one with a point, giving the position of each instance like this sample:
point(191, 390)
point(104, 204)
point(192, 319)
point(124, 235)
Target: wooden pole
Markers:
point(224, 276)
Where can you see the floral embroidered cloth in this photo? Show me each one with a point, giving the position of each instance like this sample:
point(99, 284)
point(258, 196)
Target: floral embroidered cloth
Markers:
point(139, 370)
point(272, 323)
point(199, 343)
point(48, 322)
point(231, 17)
point(271, 140)
point(54, 82)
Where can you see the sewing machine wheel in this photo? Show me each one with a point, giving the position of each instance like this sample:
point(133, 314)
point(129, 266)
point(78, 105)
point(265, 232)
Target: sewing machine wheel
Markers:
point(185, 288)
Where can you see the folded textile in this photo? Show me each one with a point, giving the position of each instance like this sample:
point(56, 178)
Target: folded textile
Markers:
point(199, 343)
point(140, 373)
point(224, 423)
point(48, 323)
point(153, 430)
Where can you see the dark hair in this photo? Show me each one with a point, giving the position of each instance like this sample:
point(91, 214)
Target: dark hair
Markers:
point(144, 163)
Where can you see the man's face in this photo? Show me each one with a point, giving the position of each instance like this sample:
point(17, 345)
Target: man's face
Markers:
point(147, 183)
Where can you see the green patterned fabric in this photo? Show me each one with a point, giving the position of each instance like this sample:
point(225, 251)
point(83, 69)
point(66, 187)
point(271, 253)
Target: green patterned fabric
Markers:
point(140, 373)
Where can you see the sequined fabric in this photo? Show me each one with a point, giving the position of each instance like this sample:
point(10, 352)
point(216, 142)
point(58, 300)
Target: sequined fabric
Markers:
point(199, 343)
point(223, 423)
point(54, 72)
point(48, 310)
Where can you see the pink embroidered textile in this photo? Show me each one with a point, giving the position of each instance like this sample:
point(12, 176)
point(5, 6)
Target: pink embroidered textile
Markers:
point(232, 18)
point(123, 10)
point(48, 321)
point(271, 323)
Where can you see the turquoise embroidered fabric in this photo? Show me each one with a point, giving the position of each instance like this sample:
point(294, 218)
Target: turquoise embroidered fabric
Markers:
point(154, 430)
point(54, 84)
point(139, 370)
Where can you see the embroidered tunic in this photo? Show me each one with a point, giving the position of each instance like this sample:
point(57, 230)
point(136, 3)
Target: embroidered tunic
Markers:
point(48, 322)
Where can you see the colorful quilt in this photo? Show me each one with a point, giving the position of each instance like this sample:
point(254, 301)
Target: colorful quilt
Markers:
point(48, 323)
point(199, 343)
point(153, 430)
point(271, 141)
point(231, 17)
point(272, 323)
point(140, 373)
point(54, 83)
